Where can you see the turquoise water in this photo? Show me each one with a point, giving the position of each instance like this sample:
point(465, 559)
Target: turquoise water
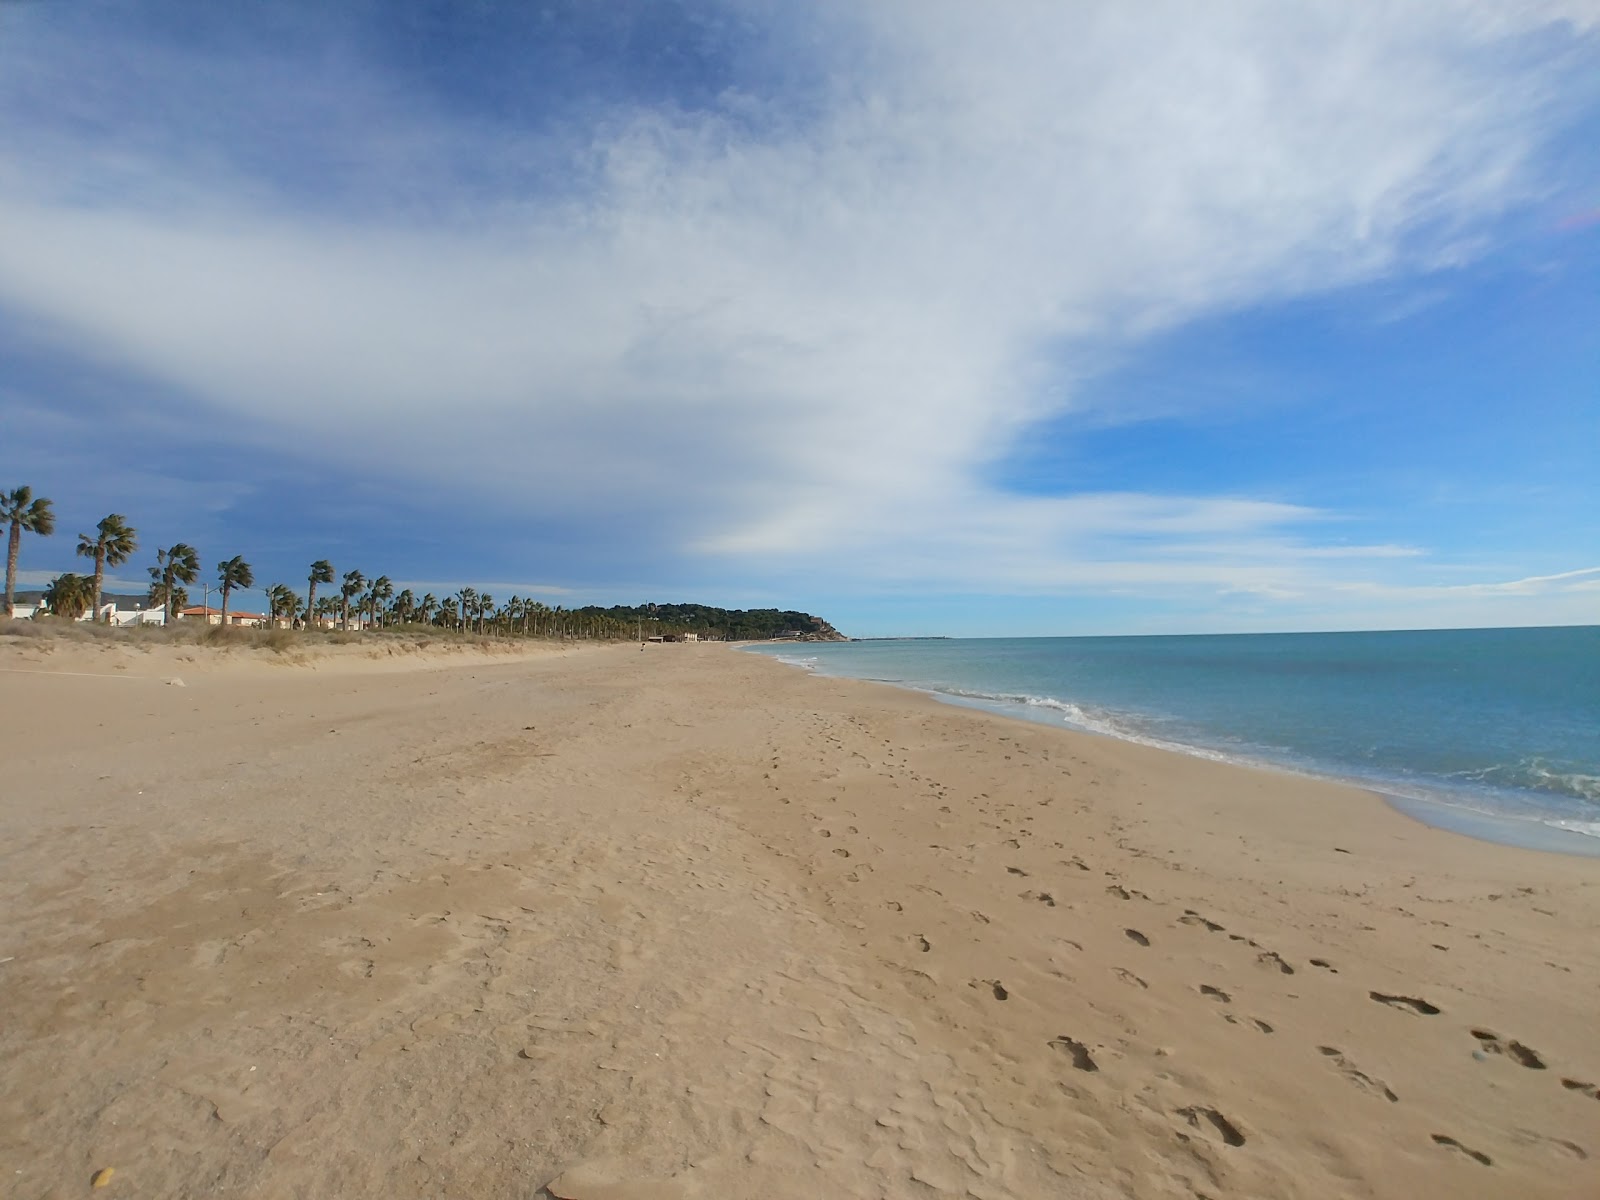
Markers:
point(1491, 732)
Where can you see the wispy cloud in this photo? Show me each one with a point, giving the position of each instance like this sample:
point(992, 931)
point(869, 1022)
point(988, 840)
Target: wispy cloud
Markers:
point(1586, 579)
point(793, 337)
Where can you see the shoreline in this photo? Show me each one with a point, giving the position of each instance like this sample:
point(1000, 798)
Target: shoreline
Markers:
point(685, 923)
point(1436, 808)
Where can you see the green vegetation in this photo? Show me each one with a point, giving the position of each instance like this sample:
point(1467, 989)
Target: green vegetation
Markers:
point(174, 567)
point(234, 573)
point(718, 624)
point(113, 543)
point(374, 602)
point(321, 572)
point(68, 596)
point(350, 588)
point(24, 514)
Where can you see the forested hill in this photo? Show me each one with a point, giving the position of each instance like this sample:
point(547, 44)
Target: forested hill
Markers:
point(730, 624)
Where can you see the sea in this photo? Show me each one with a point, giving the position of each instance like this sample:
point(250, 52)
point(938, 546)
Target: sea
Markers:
point(1494, 733)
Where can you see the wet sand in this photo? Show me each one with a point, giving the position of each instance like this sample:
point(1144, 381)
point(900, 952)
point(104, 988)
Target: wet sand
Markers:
point(692, 923)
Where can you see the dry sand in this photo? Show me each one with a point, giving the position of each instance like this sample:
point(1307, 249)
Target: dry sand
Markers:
point(691, 923)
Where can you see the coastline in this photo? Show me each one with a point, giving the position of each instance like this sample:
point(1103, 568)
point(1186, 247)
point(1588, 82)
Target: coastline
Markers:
point(290, 929)
point(1508, 820)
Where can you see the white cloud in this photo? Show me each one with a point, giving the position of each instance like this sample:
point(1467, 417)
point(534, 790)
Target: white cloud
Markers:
point(1584, 580)
point(804, 344)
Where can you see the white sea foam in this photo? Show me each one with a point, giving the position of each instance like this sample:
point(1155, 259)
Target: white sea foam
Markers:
point(1537, 775)
point(1573, 783)
point(1462, 804)
point(1095, 720)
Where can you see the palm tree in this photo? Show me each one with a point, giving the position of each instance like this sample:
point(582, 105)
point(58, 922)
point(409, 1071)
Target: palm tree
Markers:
point(405, 606)
point(235, 573)
point(179, 564)
point(485, 605)
point(68, 596)
point(447, 613)
point(327, 607)
point(282, 602)
point(113, 543)
point(426, 607)
point(353, 582)
point(180, 596)
point(381, 592)
point(25, 515)
point(469, 600)
point(321, 572)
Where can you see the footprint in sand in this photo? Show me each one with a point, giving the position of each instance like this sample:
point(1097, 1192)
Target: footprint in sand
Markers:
point(1135, 936)
point(1587, 1089)
point(1271, 958)
point(1202, 1117)
point(1475, 1155)
point(1408, 1003)
point(1215, 993)
point(1081, 1058)
point(1261, 1026)
point(1529, 1137)
point(1190, 917)
point(1516, 1051)
point(996, 988)
point(1360, 1078)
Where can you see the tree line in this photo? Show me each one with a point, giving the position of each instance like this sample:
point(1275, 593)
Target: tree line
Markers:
point(374, 602)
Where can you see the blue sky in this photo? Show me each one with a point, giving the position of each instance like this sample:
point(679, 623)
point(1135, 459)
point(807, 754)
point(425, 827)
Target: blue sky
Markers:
point(927, 316)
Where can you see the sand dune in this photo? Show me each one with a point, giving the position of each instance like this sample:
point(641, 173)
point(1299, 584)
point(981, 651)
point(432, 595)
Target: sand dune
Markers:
point(690, 923)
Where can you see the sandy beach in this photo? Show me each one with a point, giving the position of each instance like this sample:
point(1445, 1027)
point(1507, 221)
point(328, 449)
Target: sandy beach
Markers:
point(691, 923)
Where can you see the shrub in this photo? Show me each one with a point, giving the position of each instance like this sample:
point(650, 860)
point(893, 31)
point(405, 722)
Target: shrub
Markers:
point(280, 640)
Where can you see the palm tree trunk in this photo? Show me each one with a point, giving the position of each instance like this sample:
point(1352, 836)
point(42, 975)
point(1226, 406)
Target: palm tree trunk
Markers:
point(99, 580)
point(225, 591)
point(12, 549)
point(311, 601)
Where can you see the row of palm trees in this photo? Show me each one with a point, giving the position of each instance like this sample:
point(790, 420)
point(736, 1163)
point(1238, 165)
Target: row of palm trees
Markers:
point(377, 605)
point(374, 602)
point(111, 544)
